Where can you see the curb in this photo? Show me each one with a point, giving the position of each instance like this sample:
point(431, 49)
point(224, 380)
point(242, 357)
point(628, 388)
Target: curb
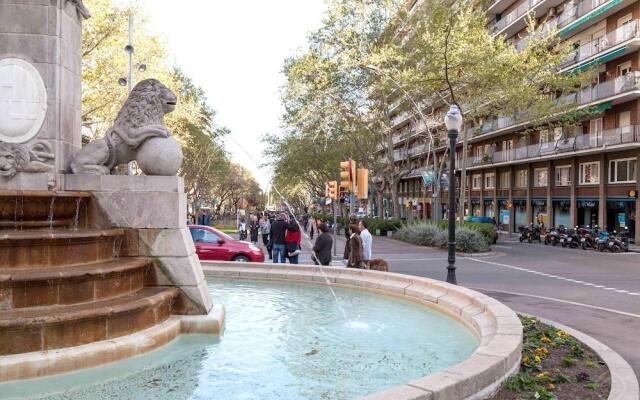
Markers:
point(624, 384)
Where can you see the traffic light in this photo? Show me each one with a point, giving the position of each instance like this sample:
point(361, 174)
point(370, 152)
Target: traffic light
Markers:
point(333, 190)
point(348, 175)
point(362, 183)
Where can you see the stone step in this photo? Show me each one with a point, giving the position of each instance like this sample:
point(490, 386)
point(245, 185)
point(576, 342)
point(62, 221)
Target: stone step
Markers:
point(57, 248)
point(42, 209)
point(37, 287)
point(46, 328)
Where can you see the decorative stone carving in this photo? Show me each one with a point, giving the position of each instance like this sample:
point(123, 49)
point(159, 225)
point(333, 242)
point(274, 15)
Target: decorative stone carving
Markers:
point(23, 101)
point(16, 158)
point(82, 10)
point(140, 119)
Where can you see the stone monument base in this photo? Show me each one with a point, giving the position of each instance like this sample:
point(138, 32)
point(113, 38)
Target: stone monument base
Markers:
point(153, 212)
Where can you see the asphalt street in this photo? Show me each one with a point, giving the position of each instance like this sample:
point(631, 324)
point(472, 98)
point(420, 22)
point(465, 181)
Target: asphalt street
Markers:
point(596, 293)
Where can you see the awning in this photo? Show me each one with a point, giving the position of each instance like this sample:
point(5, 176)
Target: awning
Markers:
point(598, 60)
point(589, 16)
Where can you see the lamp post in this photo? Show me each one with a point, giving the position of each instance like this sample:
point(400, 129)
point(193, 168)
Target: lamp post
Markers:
point(453, 122)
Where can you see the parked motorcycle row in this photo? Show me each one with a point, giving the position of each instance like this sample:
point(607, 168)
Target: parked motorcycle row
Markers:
point(584, 237)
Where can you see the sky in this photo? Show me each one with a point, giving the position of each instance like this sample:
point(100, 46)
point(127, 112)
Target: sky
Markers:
point(235, 50)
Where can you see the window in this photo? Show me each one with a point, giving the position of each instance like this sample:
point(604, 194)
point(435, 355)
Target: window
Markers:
point(479, 152)
point(490, 181)
point(589, 173)
point(563, 175)
point(540, 177)
point(624, 68)
point(624, 121)
point(522, 177)
point(507, 148)
point(622, 171)
point(595, 131)
point(476, 182)
point(504, 180)
point(203, 236)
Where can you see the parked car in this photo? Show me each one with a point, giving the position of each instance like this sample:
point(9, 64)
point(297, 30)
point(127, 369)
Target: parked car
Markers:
point(213, 245)
point(487, 220)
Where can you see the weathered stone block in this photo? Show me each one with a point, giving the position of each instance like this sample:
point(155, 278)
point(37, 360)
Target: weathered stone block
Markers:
point(166, 242)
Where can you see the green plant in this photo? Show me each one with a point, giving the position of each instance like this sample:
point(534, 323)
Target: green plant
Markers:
point(425, 234)
point(592, 385)
point(568, 361)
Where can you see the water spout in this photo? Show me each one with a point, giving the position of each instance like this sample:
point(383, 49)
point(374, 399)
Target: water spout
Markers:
point(77, 217)
point(53, 199)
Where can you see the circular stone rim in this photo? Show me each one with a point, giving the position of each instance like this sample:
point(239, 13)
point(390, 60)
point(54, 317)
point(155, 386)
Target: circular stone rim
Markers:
point(37, 125)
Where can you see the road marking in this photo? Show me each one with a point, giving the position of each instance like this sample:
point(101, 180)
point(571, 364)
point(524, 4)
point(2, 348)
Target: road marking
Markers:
point(578, 282)
point(626, 314)
point(501, 247)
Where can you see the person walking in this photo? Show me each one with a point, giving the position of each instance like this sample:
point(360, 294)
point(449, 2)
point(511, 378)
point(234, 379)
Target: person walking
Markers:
point(347, 234)
point(254, 227)
point(292, 240)
point(265, 228)
point(355, 248)
point(323, 245)
point(367, 242)
point(278, 244)
point(312, 227)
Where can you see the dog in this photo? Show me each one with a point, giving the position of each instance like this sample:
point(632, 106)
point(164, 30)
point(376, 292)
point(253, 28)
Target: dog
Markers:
point(378, 264)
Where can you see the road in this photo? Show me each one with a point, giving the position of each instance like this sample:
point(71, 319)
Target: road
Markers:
point(596, 293)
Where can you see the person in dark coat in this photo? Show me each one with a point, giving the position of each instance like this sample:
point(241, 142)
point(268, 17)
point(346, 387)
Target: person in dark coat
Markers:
point(347, 234)
point(278, 231)
point(254, 227)
point(355, 248)
point(323, 245)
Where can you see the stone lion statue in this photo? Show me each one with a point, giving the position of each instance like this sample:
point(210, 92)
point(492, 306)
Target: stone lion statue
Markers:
point(137, 134)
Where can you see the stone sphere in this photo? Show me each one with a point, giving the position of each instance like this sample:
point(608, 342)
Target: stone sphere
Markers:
point(160, 156)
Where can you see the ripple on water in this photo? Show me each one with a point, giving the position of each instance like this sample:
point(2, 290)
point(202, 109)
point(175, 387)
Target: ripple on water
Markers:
point(281, 341)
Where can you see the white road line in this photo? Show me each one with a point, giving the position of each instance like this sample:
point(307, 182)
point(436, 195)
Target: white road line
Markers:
point(559, 301)
point(578, 282)
point(502, 247)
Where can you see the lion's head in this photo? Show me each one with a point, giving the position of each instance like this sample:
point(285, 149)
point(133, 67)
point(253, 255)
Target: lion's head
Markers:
point(148, 102)
point(12, 158)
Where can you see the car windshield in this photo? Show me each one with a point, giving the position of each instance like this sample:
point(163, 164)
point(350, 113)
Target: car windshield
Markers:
point(224, 236)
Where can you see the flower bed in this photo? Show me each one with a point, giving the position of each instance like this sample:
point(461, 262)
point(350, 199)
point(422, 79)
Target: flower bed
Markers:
point(555, 366)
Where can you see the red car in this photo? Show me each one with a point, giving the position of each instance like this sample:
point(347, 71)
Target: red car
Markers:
point(211, 244)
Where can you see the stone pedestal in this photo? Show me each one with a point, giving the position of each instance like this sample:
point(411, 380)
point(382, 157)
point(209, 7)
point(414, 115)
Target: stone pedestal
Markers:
point(40, 87)
point(153, 209)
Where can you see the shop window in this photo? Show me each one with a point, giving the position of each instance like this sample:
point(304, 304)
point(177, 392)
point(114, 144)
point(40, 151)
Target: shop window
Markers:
point(504, 180)
point(540, 178)
point(622, 171)
point(476, 182)
point(589, 173)
point(522, 177)
point(490, 181)
point(563, 175)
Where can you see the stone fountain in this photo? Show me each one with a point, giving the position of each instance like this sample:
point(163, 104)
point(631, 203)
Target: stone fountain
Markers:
point(94, 267)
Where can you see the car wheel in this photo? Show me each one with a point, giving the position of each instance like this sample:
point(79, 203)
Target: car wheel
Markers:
point(241, 258)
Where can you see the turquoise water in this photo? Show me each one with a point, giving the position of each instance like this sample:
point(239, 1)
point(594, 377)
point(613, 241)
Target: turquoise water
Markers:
point(282, 341)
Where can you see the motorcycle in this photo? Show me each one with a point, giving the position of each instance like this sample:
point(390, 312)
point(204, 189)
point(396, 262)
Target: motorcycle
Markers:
point(552, 237)
point(570, 238)
point(615, 243)
point(530, 233)
point(588, 237)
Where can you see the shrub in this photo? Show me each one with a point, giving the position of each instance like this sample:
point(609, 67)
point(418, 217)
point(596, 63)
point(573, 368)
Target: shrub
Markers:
point(425, 234)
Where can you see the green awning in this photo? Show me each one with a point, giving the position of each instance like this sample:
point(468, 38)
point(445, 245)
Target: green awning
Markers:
point(598, 60)
point(597, 109)
point(589, 16)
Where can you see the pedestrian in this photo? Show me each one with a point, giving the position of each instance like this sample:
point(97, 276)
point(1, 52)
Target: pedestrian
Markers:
point(254, 227)
point(355, 248)
point(312, 226)
point(631, 225)
point(367, 242)
point(347, 234)
point(265, 228)
point(323, 245)
point(305, 222)
point(292, 240)
point(278, 231)
point(242, 229)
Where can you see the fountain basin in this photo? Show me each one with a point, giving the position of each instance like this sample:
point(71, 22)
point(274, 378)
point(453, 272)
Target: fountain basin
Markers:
point(497, 327)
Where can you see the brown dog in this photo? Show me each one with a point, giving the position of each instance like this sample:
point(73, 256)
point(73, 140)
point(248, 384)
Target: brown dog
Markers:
point(379, 264)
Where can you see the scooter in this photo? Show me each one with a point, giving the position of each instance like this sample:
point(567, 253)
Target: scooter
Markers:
point(588, 237)
point(530, 233)
point(570, 238)
point(616, 243)
point(552, 237)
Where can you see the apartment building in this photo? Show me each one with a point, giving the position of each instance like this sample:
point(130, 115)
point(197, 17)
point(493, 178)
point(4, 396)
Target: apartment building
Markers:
point(584, 175)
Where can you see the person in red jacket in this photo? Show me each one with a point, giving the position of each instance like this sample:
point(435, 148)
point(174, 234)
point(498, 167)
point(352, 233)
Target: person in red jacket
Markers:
point(292, 240)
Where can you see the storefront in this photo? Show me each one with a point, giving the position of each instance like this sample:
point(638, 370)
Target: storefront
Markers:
point(540, 212)
point(619, 214)
point(588, 212)
point(521, 217)
point(561, 215)
point(503, 214)
point(475, 207)
point(489, 209)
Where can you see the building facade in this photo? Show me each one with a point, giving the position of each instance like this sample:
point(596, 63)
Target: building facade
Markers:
point(584, 175)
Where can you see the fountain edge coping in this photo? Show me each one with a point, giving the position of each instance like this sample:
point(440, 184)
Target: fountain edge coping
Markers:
point(496, 326)
point(40, 364)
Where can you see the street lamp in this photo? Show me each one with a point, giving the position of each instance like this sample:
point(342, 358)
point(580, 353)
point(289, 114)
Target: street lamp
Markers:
point(453, 122)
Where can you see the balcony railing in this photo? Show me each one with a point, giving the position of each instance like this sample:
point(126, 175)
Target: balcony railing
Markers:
point(601, 44)
point(587, 141)
point(508, 19)
point(571, 14)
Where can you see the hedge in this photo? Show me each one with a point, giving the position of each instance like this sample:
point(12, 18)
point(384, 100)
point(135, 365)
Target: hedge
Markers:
point(426, 234)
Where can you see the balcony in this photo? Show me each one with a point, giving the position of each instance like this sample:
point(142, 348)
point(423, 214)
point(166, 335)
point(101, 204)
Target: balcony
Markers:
point(582, 142)
point(586, 10)
point(498, 26)
point(617, 90)
point(601, 46)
